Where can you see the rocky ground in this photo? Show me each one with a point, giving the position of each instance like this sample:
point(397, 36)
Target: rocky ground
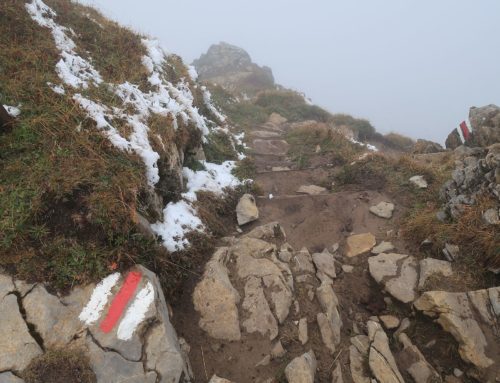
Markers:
point(322, 288)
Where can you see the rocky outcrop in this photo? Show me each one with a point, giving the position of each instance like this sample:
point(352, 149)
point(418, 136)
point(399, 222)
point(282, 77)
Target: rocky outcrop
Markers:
point(472, 319)
point(232, 68)
point(476, 174)
point(485, 122)
point(426, 147)
point(134, 342)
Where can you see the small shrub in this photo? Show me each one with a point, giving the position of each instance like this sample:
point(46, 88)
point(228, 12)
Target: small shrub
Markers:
point(219, 148)
point(245, 169)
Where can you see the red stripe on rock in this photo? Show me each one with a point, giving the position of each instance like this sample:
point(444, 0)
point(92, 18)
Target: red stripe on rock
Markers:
point(120, 301)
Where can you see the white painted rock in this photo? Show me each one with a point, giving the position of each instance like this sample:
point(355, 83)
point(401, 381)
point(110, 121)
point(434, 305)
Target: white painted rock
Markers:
point(383, 210)
point(246, 210)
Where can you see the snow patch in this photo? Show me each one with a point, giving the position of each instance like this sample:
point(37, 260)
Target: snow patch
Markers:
point(368, 146)
point(207, 99)
point(59, 89)
point(214, 179)
point(136, 312)
point(98, 299)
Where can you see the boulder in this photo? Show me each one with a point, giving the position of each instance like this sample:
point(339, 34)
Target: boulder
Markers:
point(383, 247)
point(383, 210)
point(325, 263)
point(215, 299)
point(485, 122)
point(359, 243)
point(311, 190)
point(302, 262)
point(453, 140)
point(471, 319)
point(431, 266)
point(9, 377)
point(390, 322)
point(302, 369)
point(397, 273)
point(380, 359)
point(246, 210)
point(269, 231)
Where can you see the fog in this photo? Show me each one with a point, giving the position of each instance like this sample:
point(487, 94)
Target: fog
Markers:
point(413, 67)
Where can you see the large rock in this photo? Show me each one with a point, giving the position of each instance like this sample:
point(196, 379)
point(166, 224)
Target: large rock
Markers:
point(397, 273)
point(383, 210)
point(472, 319)
point(453, 140)
point(330, 328)
point(325, 263)
point(215, 299)
point(360, 243)
point(414, 362)
point(380, 359)
point(302, 369)
point(246, 210)
point(485, 122)
point(232, 68)
point(9, 377)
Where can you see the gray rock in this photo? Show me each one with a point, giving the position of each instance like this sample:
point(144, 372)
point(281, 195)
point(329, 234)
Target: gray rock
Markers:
point(329, 303)
point(303, 336)
point(383, 210)
point(405, 325)
point(9, 377)
point(286, 253)
point(431, 266)
point(380, 359)
point(451, 252)
point(419, 182)
point(358, 354)
point(491, 216)
point(383, 247)
point(302, 369)
point(415, 363)
point(337, 374)
point(267, 232)
point(246, 210)
point(17, 347)
point(278, 351)
point(325, 263)
point(397, 273)
point(327, 332)
point(6, 285)
point(302, 262)
point(486, 124)
point(311, 190)
point(280, 295)
point(215, 299)
point(389, 321)
point(347, 269)
point(260, 318)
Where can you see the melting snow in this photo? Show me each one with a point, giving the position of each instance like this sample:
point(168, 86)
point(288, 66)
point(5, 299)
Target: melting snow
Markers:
point(165, 99)
point(368, 146)
point(59, 89)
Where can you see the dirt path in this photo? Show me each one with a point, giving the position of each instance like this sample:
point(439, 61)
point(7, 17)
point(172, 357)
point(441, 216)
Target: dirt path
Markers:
point(315, 222)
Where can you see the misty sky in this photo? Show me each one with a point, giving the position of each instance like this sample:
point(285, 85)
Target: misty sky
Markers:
point(410, 66)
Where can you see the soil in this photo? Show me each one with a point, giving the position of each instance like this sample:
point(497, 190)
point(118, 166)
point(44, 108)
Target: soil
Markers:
point(315, 222)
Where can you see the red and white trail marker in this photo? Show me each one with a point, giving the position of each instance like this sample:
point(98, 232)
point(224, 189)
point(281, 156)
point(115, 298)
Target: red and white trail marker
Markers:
point(127, 319)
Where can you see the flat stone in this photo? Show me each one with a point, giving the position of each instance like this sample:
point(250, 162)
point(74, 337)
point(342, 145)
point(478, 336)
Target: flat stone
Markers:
point(280, 294)
point(357, 363)
point(325, 263)
point(302, 262)
point(414, 362)
point(303, 336)
point(347, 269)
point(397, 273)
point(329, 303)
point(311, 190)
point(389, 321)
point(380, 359)
point(360, 243)
point(17, 347)
point(215, 299)
point(246, 210)
point(280, 168)
point(383, 210)
point(455, 313)
point(431, 266)
point(327, 332)
point(9, 377)
point(337, 373)
point(260, 318)
point(216, 379)
point(419, 182)
point(383, 247)
point(302, 369)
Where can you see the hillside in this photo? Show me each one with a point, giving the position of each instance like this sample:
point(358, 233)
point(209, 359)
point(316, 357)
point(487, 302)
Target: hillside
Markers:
point(164, 223)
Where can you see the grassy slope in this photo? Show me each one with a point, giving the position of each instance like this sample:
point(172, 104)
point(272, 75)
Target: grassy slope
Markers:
point(68, 198)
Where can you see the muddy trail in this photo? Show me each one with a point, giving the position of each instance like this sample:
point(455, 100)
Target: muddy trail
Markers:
point(320, 292)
